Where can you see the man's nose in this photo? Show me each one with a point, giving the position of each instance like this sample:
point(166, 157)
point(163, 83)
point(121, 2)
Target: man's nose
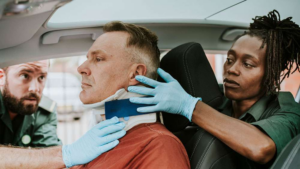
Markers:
point(34, 86)
point(83, 69)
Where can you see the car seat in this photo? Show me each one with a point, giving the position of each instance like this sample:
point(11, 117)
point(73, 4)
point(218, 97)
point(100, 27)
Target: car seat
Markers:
point(290, 155)
point(188, 64)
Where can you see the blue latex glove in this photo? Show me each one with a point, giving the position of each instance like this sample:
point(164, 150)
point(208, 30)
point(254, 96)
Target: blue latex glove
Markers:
point(168, 97)
point(101, 138)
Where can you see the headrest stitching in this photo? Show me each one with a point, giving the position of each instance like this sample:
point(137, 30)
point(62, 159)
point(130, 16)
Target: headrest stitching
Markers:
point(187, 71)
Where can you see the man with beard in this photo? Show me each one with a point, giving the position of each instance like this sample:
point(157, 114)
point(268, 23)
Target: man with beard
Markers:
point(23, 122)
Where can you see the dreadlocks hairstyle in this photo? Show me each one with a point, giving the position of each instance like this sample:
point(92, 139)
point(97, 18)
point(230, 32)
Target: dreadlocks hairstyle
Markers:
point(282, 38)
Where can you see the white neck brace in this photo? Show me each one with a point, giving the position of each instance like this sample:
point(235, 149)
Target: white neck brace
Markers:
point(98, 109)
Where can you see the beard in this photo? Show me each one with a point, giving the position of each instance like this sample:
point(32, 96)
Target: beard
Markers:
point(16, 105)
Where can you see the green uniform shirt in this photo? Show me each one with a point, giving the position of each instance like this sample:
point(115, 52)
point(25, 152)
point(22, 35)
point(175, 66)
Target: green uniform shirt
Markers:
point(278, 117)
point(36, 130)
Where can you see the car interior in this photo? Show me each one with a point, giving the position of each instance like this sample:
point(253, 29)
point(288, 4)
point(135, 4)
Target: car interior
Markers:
point(33, 30)
point(204, 150)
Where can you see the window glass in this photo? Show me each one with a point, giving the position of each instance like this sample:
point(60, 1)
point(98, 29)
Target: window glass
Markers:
point(64, 86)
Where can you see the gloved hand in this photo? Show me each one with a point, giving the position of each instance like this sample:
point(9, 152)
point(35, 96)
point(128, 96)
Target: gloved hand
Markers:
point(101, 138)
point(168, 97)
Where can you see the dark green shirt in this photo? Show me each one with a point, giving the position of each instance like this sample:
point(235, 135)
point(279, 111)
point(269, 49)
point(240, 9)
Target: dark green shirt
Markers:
point(278, 117)
point(36, 130)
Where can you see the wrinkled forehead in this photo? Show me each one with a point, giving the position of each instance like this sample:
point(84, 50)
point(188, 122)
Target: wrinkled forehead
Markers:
point(37, 66)
point(111, 43)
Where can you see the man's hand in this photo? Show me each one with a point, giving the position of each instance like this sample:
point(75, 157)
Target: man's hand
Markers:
point(168, 97)
point(101, 138)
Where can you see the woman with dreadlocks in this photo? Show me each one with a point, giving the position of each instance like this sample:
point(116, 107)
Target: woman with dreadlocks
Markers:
point(257, 120)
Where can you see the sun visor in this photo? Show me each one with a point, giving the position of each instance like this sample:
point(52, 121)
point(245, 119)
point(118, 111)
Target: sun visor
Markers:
point(54, 36)
point(232, 34)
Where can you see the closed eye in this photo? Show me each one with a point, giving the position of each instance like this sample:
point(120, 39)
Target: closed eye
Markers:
point(248, 65)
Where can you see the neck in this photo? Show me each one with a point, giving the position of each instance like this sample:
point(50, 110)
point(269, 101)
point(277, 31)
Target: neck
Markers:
point(12, 115)
point(241, 106)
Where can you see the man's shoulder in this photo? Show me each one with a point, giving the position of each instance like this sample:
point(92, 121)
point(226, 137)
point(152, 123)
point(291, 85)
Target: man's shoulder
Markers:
point(46, 112)
point(157, 129)
point(150, 131)
point(158, 133)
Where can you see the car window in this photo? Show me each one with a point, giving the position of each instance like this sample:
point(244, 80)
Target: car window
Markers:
point(63, 85)
point(62, 80)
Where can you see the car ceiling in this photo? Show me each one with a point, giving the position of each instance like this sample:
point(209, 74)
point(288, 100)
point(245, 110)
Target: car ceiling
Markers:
point(48, 30)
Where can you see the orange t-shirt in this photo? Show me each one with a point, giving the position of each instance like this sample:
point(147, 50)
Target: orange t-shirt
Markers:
point(144, 146)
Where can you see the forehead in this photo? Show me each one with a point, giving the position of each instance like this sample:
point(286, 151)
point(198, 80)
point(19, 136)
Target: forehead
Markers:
point(38, 66)
point(249, 45)
point(110, 42)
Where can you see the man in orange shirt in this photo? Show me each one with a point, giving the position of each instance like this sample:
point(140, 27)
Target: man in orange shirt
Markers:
point(116, 57)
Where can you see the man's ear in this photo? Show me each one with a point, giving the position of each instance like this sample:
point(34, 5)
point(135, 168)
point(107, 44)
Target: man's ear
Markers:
point(136, 69)
point(2, 78)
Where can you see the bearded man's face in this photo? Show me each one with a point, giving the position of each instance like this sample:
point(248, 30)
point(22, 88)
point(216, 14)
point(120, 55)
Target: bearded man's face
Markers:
point(17, 105)
point(23, 87)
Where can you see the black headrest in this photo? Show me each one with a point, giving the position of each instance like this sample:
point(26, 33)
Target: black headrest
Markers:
point(189, 65)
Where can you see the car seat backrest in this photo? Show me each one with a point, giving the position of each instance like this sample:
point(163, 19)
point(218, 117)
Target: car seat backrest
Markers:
point(207, 152)
point(188, 64)
point(290, 156)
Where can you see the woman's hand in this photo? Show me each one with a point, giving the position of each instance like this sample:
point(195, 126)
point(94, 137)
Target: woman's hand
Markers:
point(168, 97)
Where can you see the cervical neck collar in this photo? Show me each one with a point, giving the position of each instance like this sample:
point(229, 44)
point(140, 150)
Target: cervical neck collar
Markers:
point(99, 108)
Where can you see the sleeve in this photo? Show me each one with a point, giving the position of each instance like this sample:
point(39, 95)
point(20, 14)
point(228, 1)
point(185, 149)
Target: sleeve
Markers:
point(45, 134)
point(164, 152)
point(281, 128)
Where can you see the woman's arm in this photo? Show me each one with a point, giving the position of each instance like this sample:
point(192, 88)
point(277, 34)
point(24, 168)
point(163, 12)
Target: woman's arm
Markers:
point(170, 97)
point(240, 136)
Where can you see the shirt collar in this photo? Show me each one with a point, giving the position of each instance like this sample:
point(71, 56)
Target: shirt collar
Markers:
point(258, 108)
point(255, 110)
point(2, 107)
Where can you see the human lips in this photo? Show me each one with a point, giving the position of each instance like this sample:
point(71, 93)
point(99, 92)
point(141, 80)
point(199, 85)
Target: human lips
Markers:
point(231, 83)
point(33, 99)
point(83, 85)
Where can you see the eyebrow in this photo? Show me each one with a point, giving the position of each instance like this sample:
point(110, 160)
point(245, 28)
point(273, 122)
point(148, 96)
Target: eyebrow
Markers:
point(97, 52)
point(231, 51)
point(250, 56)
point(27, 70)
point(31, 71)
